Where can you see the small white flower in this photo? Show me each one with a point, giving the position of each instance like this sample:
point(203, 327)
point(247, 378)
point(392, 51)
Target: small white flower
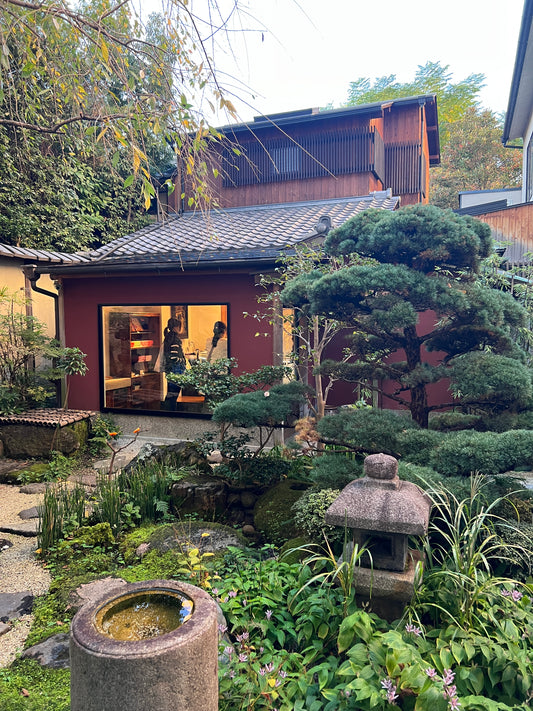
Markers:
point(267, 394)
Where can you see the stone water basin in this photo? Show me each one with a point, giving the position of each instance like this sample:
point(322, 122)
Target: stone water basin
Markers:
point(151, 613)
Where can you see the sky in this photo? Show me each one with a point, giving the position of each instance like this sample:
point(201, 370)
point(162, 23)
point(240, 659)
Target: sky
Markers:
point(296, 54)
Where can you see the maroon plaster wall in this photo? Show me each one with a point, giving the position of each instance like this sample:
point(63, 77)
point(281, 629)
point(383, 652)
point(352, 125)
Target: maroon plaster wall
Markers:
point(82, 296)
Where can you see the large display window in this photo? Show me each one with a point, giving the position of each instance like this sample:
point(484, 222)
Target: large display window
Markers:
point(142, 344)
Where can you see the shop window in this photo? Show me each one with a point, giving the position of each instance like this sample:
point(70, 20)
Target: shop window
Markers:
point(140, 344)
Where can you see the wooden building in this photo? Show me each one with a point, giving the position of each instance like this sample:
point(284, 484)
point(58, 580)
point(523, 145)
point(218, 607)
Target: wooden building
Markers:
point(293, 177)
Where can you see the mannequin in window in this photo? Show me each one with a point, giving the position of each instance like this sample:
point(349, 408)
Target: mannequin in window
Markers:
point(174, 361)
point(217, 347)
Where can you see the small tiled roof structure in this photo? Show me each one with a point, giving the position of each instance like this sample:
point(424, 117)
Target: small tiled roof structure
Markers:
point(234, 235)
point(39, 255)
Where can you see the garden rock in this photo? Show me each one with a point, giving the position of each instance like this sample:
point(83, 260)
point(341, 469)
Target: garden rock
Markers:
point(26, 528)
point(88, 592)
point(142, 550)
point(52, 653)
point(4, 628)
point(181, 454)
point(191, 534)
point(15, 605)
point(5, 544)
point(29, 513)
point(35, 487)
point(205, 495)
point(273, 513)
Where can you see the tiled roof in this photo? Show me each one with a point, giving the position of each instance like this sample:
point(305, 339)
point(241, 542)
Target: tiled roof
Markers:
point(238, 233)
point(39, 255)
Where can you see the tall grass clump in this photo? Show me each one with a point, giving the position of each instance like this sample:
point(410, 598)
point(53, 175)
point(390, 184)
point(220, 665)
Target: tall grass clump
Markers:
point(62, 511)
point(462, 551)
point(148, 488)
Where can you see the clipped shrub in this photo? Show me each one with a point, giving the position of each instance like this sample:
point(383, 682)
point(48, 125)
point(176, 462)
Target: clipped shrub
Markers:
point(461, 453)
point(335, 470)
point(453, 421)
point(309, 513)
point(367, 430)
point(516, 448)
point(524, 420)
point(415, 445)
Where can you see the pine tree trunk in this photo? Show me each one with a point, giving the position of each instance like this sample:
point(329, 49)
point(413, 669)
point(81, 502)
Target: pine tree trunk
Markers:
point(419, 403)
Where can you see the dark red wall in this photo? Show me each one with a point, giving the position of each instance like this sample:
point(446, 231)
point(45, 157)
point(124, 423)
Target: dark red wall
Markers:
point(82, 296)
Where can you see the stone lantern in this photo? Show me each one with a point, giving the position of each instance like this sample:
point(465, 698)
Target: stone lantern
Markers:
point(381, 512)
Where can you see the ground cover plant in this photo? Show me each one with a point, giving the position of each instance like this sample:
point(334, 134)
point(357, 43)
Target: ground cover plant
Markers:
point(294, 638)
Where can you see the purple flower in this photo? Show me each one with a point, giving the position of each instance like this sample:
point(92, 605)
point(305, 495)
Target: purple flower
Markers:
point(224, 599)
point(282, 674)
point(232, 593)
point(269, 667)
point(431, 672)
point(222, 629)
point(242, 637)
point(268, 614)
point(262, 671)
point(448, 677)
point(390, 688)
point(516, 595)
point(411, 629)
point(232, 674)
point(229, 651)
point(243, 657)
point(244, 603)
point(453, 704)
point(450, 691)
point(215, 591)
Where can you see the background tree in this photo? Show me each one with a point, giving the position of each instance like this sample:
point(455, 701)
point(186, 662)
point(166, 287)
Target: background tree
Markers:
point(428, 262)
point(474, 158)
point(88, 95)
point(472, 155)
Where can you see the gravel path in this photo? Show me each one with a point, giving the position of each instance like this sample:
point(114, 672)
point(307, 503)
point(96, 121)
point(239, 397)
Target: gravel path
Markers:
point(19, 568)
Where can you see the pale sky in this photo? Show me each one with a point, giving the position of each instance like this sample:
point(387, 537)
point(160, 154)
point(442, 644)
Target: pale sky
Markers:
point(304, 53)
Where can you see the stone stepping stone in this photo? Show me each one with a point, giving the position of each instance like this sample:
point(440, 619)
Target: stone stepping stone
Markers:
point(52, 653)
point(26, 528)
point(15, 605)
point(28, 514)
point(4, 628)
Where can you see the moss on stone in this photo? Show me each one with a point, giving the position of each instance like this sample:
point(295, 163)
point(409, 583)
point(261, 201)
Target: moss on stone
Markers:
point(273, 514)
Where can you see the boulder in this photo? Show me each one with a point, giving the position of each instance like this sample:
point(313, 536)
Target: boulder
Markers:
point(273, 514)
point(202, 494)
point(193, 534)
point(52, 653)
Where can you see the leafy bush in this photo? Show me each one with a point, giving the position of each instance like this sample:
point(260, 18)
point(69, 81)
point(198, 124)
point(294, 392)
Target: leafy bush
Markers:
point(309, 513)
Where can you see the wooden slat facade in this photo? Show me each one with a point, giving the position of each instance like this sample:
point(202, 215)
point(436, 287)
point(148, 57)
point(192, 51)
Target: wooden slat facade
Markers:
point(512, 225)
point(325, 157)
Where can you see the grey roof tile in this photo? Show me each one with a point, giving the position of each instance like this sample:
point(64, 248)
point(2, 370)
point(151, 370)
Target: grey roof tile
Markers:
point(256, 231)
